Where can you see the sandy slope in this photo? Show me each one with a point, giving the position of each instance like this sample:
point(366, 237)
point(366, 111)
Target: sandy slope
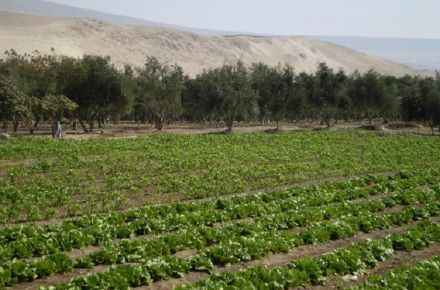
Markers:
point(132, 44)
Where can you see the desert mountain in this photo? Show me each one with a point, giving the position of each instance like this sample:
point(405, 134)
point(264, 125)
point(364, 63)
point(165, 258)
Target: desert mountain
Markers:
point(420, 54)
point(127, 44)
point(51, 9)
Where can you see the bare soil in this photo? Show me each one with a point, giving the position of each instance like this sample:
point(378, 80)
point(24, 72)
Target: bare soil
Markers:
point(133, 130)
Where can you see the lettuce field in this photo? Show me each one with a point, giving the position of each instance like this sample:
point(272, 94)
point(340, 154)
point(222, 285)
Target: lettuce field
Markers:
point(343, 209)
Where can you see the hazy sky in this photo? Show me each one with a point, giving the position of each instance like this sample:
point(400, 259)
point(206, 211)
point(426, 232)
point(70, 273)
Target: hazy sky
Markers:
point(377, 18)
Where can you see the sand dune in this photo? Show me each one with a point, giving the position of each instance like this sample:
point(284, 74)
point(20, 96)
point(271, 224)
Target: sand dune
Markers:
point(132, 44)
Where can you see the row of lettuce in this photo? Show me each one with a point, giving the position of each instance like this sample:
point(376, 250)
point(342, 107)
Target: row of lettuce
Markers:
point(424, 275)
point(243, 241)
point(32, 240)
point(355, 259)
point(42, 180)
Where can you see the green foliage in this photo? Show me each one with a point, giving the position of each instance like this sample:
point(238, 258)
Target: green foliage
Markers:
point(94, 84)
point(158, 92)
point(42, 177)
point(424, 275)
point(241, 241)
point(354, 259)
point(226, 94)
point(422, 101)
point(368, 93)
point(14, 104)
point(55, 106)
point(275, 88)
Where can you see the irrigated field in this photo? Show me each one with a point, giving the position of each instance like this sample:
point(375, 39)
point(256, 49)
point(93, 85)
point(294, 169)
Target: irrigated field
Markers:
point(317, 210)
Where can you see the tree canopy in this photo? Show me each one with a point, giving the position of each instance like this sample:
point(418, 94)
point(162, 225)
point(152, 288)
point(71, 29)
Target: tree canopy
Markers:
point(91, 89)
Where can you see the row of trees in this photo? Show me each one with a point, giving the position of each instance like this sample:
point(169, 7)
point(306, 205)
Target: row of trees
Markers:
point(92, 90)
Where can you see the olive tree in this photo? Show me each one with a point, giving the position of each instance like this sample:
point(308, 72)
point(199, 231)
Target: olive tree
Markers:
point(13, 104)
point(53, 107)
point(159, 92)
point(231, 92)
point(94, 84)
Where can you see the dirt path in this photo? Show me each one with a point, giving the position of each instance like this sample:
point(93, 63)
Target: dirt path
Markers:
point(132, 130)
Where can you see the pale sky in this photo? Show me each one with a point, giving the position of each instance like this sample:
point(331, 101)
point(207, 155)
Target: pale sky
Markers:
point(374, 18)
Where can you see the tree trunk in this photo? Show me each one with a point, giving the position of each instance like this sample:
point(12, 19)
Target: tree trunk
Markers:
point(159, 121)
point(74, 124)
point(81, 122)
point(159, 125)
point(36, 122)
point(53, 128)
point(16, 124)
point(5, 125)
point(116, 119)
point(370, 119)
point(229, 124)
point(91, 123)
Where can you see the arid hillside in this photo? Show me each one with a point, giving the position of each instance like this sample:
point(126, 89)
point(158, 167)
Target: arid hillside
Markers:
point(132, 44)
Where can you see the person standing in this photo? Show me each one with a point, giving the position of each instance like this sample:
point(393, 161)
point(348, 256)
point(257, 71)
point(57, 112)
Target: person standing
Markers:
point(58, 130)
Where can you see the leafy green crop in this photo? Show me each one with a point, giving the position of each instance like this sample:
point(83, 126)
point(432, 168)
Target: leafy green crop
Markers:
point(313, 271)
point(424, 275)
point(42, 179)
